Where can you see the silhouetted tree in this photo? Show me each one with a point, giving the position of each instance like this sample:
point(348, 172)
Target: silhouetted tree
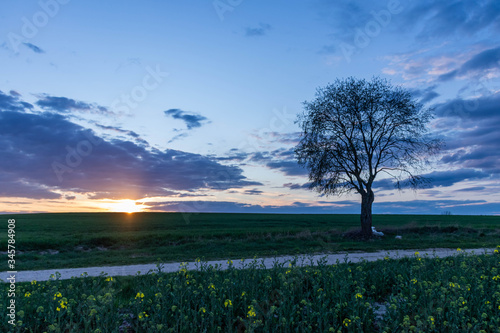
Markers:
point(356, 129)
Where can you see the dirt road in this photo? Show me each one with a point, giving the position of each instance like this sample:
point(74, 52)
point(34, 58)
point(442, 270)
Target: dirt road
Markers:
point(303, 260)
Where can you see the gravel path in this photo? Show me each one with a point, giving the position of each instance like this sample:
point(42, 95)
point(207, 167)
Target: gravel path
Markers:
point(66, 273)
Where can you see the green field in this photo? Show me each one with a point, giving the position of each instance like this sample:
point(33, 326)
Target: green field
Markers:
point(95, 239)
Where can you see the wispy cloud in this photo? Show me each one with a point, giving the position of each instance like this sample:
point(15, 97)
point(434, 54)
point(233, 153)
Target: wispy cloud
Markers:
point(425, 95)
point(33, 48)
point(480, 63)
point(12, 102)
point(120, 130)
point(191, 119)
point(66, 105)
point(253, 192)
point(259, 31)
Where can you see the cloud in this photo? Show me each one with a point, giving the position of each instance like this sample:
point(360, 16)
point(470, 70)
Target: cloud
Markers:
point(437, 19)
point(12, 102)
point(233, 155)
point(281, 159)
point(472, 189)
point(191, 208)
point(294, 186)
point(132, 134)
point(34, 48)
point(177, 137)
point(425, 95)
point(449, 178)
point(192, 120)
point(328, 49)
point(384, 184)
point(438, 178)
point(421, 21)
point(479, 63)
point(22, 188)
point(253, 192)
point(45, 153)
point(285, 138)
point(261, 30)
point(66, 105)
point(289, 168)
point(458, 207)
point(470, 128)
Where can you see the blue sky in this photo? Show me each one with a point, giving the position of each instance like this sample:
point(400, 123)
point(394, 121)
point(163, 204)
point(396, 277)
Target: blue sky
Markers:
point(191, 105)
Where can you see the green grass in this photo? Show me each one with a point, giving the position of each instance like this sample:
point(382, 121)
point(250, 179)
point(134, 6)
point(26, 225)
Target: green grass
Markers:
point(454, 294)
point(97, 239)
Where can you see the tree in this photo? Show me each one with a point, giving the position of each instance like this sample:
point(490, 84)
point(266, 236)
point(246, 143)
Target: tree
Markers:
point(355, 130)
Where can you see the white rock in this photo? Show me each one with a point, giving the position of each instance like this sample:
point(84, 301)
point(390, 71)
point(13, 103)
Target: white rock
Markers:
point(377, 233)
point(399, 237)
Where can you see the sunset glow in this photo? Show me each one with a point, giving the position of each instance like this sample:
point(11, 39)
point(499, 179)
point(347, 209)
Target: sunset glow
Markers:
point(124, 206)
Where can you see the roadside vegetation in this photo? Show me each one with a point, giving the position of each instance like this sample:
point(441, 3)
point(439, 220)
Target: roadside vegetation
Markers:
point(455, 294)
point(46, 241)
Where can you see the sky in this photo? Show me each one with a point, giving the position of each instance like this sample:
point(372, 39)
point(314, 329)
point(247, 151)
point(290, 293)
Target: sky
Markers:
point(191, 106)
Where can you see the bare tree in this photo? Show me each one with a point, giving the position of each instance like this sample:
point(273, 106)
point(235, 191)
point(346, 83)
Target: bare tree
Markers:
point(356, 129)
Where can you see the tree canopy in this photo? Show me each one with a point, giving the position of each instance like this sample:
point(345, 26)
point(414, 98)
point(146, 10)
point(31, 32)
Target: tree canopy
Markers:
point(355, 130)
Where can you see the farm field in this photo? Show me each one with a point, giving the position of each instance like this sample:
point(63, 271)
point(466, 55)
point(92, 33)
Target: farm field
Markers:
point(95, 239)
point(455, 294)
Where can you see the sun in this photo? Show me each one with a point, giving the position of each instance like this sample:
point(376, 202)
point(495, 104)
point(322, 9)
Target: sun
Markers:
point(125, 206)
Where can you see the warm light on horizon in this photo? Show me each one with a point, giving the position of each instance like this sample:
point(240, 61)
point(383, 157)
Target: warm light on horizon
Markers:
point(125, 206)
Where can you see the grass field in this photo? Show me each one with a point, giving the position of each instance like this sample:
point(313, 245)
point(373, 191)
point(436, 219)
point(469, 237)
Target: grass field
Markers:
point(94, 239)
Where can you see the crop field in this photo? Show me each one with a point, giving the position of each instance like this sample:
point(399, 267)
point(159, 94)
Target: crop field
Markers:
point(95, 239)
point(454, 294)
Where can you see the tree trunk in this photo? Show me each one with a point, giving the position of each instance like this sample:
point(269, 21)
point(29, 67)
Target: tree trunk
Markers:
point(366, 213)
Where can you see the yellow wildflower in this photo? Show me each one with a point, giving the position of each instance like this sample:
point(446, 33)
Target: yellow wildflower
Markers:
point(251, 312)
